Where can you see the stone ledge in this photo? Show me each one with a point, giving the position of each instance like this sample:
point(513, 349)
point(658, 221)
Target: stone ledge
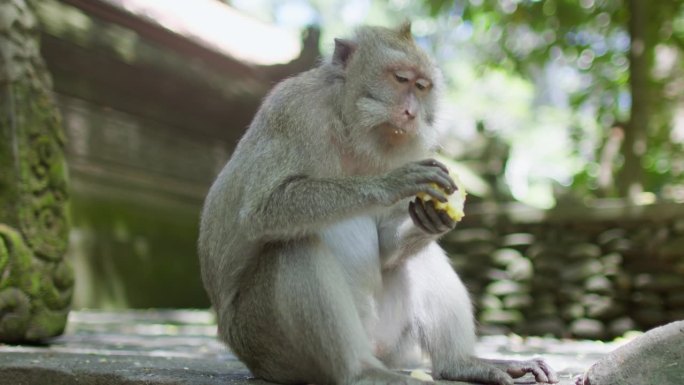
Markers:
point(179, 347)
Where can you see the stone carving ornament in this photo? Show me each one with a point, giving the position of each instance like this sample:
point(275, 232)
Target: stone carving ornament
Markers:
point(36, 283)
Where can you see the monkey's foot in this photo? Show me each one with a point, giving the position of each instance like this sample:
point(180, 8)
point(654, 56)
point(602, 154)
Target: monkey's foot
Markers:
point(539, 368)
point(378, 376)
point(476, 371)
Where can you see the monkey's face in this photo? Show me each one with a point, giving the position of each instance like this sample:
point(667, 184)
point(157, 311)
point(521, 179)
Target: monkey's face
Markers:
point(410, 89)
point(390, 93)
point(397, 101)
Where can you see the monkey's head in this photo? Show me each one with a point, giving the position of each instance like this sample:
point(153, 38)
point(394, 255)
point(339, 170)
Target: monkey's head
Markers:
point(390, 89)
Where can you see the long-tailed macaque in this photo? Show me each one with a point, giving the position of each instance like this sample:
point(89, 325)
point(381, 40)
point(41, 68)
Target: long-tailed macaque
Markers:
point(321, 266)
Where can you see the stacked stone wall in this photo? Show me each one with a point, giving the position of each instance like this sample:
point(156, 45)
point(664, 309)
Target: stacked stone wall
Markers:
point(587, 272)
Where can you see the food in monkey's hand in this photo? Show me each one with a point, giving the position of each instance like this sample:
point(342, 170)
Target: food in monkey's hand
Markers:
point(454, 205)
point(421, 375)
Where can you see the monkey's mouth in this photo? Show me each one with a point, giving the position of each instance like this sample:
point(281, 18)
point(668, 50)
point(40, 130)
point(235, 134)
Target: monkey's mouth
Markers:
point(395, 130)
point(398, 130)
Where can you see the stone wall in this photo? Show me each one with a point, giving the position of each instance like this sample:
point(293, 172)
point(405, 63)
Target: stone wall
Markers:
point(588, 272)
point(150, 117)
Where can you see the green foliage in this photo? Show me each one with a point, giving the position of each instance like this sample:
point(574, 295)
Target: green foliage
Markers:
point(591, 39)
point(538, 72)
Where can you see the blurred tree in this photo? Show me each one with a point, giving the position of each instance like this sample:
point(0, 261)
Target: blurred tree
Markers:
point(613, 45)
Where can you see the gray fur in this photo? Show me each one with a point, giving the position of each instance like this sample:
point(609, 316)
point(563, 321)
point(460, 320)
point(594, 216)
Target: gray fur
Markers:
point(307, 251)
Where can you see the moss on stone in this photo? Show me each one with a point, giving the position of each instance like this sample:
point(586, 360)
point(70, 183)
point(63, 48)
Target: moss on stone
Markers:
point(35, 283)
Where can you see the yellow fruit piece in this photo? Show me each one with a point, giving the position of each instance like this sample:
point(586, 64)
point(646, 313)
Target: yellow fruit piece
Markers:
point(454, 205)
point(421, 375)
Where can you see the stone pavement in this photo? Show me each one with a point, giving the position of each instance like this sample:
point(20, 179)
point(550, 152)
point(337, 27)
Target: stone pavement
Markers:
point(180, 347)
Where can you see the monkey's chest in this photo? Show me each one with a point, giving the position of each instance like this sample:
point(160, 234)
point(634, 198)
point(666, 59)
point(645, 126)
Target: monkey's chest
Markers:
point(354, 244)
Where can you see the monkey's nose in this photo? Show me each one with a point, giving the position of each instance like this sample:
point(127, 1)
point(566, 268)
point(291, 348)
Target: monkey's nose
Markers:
point(409, 114)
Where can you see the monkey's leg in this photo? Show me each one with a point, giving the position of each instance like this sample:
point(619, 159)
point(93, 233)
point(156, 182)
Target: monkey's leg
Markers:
point(446, 326)
point(295, 321)
point(425, 299)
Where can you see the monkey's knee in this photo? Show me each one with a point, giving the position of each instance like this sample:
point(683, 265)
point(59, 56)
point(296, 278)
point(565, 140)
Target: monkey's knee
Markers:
point(294, 320)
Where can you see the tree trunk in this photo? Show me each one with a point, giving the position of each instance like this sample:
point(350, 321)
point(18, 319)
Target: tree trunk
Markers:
point(630, 179)
point(36, 284)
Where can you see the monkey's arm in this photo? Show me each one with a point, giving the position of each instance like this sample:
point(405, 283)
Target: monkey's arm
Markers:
point(300, 204)
point(405, 233)
point(297, 204)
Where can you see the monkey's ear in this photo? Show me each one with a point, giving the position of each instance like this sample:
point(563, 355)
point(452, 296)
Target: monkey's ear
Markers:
point(344, 49)
point(405, 30)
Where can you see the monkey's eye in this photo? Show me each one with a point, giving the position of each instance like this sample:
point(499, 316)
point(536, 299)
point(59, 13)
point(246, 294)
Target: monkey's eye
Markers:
point(422, 84)
point(401, 79)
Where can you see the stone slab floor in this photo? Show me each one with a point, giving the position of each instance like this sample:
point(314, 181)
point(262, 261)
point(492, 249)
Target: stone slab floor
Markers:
point(180, 347)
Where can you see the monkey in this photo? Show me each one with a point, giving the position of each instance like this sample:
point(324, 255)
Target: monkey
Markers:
point(320, 264)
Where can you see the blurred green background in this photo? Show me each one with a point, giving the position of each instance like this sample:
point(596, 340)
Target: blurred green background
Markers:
point(550, 104)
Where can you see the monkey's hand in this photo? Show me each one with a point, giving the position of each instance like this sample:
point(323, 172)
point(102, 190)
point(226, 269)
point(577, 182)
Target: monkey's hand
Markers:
point(538, 367)
point(454, 206)
point(428, 218)
point(426, 176)
point(499, 372)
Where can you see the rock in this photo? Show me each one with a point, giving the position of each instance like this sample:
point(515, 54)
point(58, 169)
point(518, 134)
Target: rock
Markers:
point(598, 284)
point(621, 326)
point(544, 283)
point(547, 266)
point(517, 301)
point(672, 248)
point(646, 299)
point(612, 263)
point(584, 251)
point(582, 270)
point(503, 287)
point(571, 294)
point(544, 306)
point(620, 246)
point(678, 226)
point(573, 311)
point(471, 235)
point(587, 328)
point(609, 236)
point(656, 357)
point(675, 315)
point(496, 274)
point(601, 307)
point(545, 326)
point(520, 269)
point(649, 316)
point(505, 317)
point(665, 282)
point(503, 257)
point(490, 302)
point(675, 300)
point(481, 251)
point(623, 281)
point(518, 240)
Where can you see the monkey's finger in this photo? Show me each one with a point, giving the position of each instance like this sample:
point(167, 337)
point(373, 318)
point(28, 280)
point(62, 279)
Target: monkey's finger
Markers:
point(434, 192)
point(450, 185)
point(446, 219)
point(414, 217)
point(539, 374)
point(434, 217)
point(425, 223)
point(434, 163)
point(445, 182)
point(550, 373)
point(523, 367)
point(422, 212)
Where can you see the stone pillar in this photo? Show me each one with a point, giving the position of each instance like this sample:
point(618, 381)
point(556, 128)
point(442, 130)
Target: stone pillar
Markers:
point(36, 283)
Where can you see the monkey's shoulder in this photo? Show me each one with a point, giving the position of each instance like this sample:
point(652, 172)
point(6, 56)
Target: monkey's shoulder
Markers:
point(302, 92)
point(298, 106)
